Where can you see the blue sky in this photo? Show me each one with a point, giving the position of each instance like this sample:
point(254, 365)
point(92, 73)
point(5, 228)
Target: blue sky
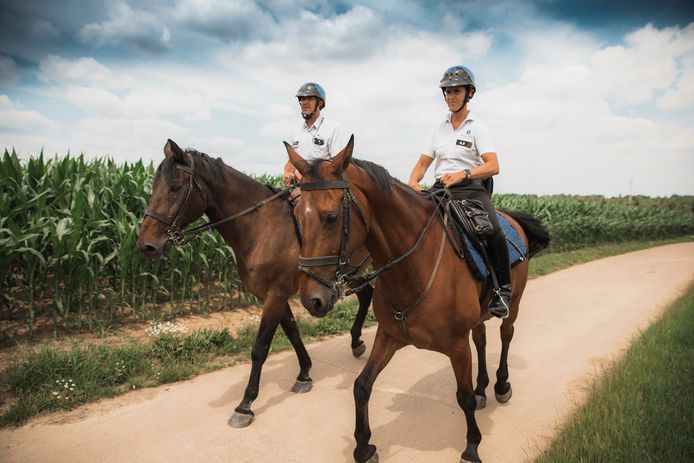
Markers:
point(581, 97)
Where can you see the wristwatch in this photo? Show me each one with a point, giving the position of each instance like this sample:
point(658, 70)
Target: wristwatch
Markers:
point(468, 174)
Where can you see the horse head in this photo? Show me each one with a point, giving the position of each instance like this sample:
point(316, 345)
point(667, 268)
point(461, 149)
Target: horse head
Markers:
point(333, 229)
point(177, 200)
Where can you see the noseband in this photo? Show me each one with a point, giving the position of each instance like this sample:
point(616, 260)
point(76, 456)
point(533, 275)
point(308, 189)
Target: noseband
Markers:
point(345, 271)
point(174, 233)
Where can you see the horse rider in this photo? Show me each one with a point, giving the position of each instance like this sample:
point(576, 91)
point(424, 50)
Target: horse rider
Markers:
point(318, 137)
point(464, 155)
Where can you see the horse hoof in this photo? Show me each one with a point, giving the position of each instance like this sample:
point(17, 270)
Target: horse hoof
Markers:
point(373, 459)
point(481, 401)
point(240, 420)
point(505, 397)
point(463, 460)
point(302, 386)
point(359, 350)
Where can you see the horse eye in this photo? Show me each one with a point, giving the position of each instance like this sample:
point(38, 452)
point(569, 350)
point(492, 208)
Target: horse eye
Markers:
point(175, 187)
point(330, 218)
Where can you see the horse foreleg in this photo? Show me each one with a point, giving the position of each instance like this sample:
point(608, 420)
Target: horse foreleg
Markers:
point(272, 313)
point(461, 359)
point(502, 388)
point(479, 337)
point(303, 381)
point(364, 295)
point(383, 350)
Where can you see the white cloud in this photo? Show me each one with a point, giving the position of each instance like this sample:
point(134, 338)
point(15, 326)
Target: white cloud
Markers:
point(131, 27)
point(681, 96)
point(14, 119)
point(81, 71)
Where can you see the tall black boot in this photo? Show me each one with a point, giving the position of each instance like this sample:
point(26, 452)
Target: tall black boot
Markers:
point(501, 299)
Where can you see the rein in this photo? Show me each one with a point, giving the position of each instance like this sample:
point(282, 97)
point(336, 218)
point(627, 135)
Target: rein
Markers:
point(342, 261)
point(176, 236)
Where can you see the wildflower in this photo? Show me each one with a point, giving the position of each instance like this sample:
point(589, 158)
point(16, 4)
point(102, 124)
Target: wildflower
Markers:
point(156, 329)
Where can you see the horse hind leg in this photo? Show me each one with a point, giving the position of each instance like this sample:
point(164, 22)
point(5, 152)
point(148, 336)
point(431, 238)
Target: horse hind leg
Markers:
point(243, 415)
point(303, 383)
point(364, 295)
point(479, 337)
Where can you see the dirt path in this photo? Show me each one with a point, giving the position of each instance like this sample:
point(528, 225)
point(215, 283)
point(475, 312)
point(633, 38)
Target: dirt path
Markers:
point(572, 323)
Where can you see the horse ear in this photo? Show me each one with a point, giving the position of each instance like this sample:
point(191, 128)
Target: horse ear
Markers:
point(172, 149)
point(341, 161)
point(295, 158)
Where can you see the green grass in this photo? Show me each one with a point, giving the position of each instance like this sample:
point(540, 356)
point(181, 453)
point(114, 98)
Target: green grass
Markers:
point(103, 371)
point(642, 410)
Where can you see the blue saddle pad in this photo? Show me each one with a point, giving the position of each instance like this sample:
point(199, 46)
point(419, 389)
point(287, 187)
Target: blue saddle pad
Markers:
point(516, 253)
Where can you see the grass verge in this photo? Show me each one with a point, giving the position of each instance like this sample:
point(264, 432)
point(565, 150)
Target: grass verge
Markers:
point(641, 410)
point(49, 378)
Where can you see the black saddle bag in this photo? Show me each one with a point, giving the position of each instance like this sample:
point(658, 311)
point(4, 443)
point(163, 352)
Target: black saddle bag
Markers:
point(474, 213)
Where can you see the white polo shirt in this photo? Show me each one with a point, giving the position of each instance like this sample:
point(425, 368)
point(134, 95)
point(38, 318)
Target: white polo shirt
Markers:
point(323, 140)
point(455, 150)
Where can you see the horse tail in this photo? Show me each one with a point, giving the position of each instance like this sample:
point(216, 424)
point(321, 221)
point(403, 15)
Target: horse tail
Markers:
point(537, 233)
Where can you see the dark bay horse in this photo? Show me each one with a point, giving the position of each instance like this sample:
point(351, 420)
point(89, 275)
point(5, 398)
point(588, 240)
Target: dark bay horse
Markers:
point(425, 294)
point(263, 236)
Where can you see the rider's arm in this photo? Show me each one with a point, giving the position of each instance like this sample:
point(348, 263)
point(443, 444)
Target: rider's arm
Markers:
point(419, 170)
point(488, 168)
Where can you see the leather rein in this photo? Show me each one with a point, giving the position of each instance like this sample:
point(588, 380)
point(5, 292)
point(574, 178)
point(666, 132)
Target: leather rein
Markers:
point(175, 234)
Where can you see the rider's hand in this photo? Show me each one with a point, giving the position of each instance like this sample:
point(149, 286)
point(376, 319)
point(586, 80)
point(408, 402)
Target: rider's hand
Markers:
point(415, 185)
point(289, 177)
point(452, 178)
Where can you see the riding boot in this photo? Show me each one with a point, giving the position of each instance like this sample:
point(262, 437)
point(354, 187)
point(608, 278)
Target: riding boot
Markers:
point(501, 299)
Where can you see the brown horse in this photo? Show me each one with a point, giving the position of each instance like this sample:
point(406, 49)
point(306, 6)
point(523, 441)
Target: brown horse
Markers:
point(425, 294)
point(260, 229)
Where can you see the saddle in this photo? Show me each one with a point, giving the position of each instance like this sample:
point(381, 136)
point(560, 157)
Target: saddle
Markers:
point(465, 222)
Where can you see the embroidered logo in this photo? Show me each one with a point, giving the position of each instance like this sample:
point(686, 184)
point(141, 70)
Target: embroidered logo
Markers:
point(468, 132)
point(464, 143)
point(318, 141)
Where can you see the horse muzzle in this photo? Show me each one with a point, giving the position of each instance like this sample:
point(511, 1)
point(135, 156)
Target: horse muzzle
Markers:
point(320, 303)
point(154, 249)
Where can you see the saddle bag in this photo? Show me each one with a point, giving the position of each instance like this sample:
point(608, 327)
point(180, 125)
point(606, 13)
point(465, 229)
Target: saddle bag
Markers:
point(473, 212)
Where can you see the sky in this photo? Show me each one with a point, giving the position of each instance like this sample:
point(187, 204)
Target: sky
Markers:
point(581, 97)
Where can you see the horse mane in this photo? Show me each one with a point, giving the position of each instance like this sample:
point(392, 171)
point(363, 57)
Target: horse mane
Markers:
point(376, 172)
point(212, 166)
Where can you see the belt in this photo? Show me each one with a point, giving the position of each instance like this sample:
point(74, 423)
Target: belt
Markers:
point(464, 183)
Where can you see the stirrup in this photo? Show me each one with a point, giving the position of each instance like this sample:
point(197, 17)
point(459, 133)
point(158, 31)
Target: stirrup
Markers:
point(498, 306)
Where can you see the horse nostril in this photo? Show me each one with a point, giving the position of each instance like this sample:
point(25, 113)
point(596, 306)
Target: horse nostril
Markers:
point(316, 305)
point(149, 250)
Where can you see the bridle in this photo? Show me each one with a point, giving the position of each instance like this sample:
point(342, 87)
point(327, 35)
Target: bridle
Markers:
point(342, 261)
point(175, 234)
point(345, 271)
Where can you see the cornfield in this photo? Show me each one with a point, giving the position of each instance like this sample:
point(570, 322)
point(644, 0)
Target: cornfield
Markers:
point(68, 258)
point(579, 221)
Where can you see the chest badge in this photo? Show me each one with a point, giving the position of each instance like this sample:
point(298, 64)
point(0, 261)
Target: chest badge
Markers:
point(464, 143)
point(319, 141)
